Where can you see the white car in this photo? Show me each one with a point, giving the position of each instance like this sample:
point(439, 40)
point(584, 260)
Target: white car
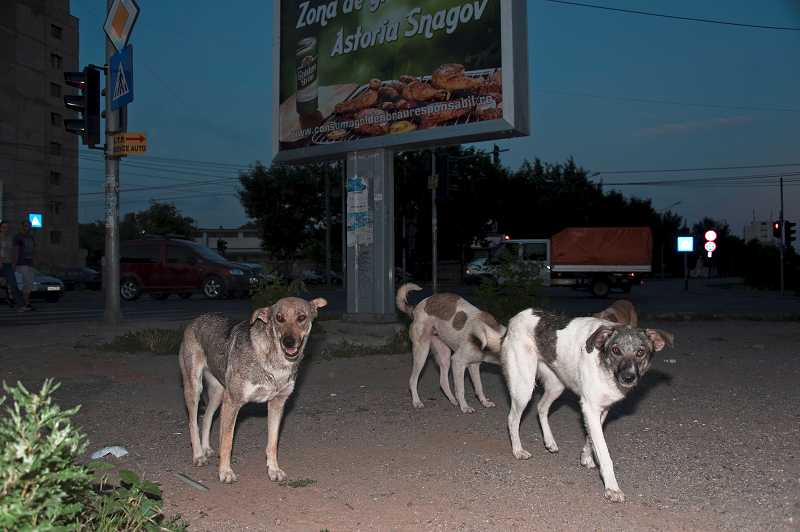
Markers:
point(44, 286)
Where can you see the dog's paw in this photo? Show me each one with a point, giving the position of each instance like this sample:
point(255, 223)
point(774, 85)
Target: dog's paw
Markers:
point(466, 409)
point(587, 460)
point(522, 454)
point(276, 474)
point(208, 452)
point(199, 461)
point(418, 404)
point(551, 446)
point(488, 404)
point(614, 495)
point(227, 476)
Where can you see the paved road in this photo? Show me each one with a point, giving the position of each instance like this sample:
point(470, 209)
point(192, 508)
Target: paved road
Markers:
point(658, 297)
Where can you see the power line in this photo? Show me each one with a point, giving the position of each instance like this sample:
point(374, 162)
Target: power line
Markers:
point(716, 181)
point(676, 17)
point(699, 169)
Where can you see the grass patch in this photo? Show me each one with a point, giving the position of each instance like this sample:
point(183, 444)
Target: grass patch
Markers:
point(398, 344)
point(297, 483)
point(156, 341)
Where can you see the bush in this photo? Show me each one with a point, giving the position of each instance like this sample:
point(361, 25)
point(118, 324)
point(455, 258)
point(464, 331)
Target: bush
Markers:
point(43, 487)
point(268, 294)
point(515, 289)
point(158, 341)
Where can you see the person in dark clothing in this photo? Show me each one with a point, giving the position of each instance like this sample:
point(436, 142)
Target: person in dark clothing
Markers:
point(8, 258)
point(25, 245)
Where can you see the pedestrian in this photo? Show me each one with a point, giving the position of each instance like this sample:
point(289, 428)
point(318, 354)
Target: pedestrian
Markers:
point(7, 259)
point(25, 246)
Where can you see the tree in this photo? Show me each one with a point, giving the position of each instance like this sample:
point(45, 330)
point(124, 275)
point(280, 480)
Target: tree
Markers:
point(158, 219)
point(288, 205)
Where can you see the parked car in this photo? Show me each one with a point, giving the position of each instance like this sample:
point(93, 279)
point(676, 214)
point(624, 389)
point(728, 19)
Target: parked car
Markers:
point(162, 266)
point(78, 278)
point(477, 270)
point(317, 277)
point(44, 287)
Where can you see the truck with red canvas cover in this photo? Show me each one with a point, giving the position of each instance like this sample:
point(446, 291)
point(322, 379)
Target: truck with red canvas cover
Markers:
point(597, 258)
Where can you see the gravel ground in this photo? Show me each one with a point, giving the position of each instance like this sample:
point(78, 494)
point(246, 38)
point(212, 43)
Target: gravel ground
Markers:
point(711, 441)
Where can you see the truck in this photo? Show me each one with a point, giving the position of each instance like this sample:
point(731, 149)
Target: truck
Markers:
point(596, 258)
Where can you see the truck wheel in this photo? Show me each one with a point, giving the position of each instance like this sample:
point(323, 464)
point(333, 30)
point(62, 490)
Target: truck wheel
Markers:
point(600, 288)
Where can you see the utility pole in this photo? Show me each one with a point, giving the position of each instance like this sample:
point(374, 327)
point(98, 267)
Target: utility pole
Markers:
point(433, 184)
point(115, 123)
point(328, 225)
point(781, 244)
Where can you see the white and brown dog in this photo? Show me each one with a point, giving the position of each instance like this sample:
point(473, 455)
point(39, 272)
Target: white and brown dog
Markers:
point(449, 324)
point(621, 311)
point(599, 360)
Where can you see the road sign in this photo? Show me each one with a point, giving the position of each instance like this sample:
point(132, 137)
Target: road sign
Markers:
point(130, 143)
point(36, 219)
point(710, 246)
point(711, 235)
point(121, 76)
point(119, 22)
point(685, 244)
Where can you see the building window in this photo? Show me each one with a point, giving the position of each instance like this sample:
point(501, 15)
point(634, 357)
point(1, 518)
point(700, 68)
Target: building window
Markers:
point(56, 61)
point(55, 90)
point(56, 31)
point(55, 148)
point(55, 119)
point(55, 237)
point(55, 207)
point(55, 177)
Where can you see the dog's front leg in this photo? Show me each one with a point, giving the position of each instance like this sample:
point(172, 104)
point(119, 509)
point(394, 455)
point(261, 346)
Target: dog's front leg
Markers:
point(227, 422)
point(593, 416)
point(274, 416)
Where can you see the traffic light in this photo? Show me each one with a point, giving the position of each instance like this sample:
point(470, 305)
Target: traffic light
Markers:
point(87, 103)
point(788, 233)
point(222, 247)
point(496, 154)
point(776, 229)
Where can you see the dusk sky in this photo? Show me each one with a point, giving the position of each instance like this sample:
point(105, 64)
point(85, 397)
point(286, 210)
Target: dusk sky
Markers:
point(616, 91)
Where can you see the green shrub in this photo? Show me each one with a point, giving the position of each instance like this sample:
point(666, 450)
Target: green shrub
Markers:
point(267, 294)
point(43, 487)
point(158, 341)
point(514, 290)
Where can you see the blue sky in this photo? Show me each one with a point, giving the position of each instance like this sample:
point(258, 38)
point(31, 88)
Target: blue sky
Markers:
point(203, 78)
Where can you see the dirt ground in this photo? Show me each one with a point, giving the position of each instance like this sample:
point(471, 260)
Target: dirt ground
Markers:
point(711, 441)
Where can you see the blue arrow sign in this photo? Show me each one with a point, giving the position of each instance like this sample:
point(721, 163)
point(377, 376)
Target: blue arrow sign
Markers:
point(120, 77)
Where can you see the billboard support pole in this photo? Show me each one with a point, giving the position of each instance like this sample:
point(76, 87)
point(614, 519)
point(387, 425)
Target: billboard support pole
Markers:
point(115, 122)
point(433, 185)
point(370, 239)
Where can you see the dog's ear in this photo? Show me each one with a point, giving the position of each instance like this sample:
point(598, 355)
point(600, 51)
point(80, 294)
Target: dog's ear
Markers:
point(599, 338)
point(660, 339)
point(319, 302)
point(264, 314)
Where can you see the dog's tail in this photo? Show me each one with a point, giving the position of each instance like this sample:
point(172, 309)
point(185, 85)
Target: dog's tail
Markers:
point(489, 338)
point(402, 298)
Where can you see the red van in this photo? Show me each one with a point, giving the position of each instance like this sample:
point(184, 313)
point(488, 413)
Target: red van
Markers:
point(162, 266)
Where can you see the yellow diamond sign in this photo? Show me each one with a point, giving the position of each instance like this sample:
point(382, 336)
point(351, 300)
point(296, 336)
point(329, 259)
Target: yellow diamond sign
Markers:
point(119, 22)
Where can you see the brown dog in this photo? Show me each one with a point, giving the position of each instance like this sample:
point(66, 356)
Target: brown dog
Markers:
point(445, 322)
point(621, 311)
point(247, 362)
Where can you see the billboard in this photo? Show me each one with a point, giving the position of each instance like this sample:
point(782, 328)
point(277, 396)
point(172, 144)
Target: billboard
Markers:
point(351, 75)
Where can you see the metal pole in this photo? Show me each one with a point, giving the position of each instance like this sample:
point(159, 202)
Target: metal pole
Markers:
point(685, 272)
point(783, 236)
point(328, 226)
point(434, 220)
point(114, 124)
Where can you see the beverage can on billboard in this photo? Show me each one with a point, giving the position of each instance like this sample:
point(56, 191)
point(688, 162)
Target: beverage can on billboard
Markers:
point(361, 74)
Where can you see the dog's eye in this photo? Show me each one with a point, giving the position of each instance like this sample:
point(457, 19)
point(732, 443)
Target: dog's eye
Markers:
point(301, 318)
point(640, 353)
point(615, 350)
point(281, 318)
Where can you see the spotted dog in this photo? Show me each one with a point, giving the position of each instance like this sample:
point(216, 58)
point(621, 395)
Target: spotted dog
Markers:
point(253, 361)
point(621, 311)
point(598, 360)
point(449, 323)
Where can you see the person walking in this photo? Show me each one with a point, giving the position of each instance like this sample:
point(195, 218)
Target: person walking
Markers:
point(8, 257)
point(25, 246)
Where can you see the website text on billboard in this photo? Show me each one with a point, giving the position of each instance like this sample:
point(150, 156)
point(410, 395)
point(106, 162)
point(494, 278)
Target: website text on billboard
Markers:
point(362, 74)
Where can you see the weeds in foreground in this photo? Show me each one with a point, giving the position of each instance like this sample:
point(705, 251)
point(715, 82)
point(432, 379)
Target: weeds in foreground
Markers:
point(42, 485)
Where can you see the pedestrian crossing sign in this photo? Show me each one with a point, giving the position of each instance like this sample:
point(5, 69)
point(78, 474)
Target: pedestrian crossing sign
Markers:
point(36, 220)
point(121, 77)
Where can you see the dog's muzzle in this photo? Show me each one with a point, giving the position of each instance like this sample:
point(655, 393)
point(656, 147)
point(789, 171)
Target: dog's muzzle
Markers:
point(291, 348)
point(627, 376)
